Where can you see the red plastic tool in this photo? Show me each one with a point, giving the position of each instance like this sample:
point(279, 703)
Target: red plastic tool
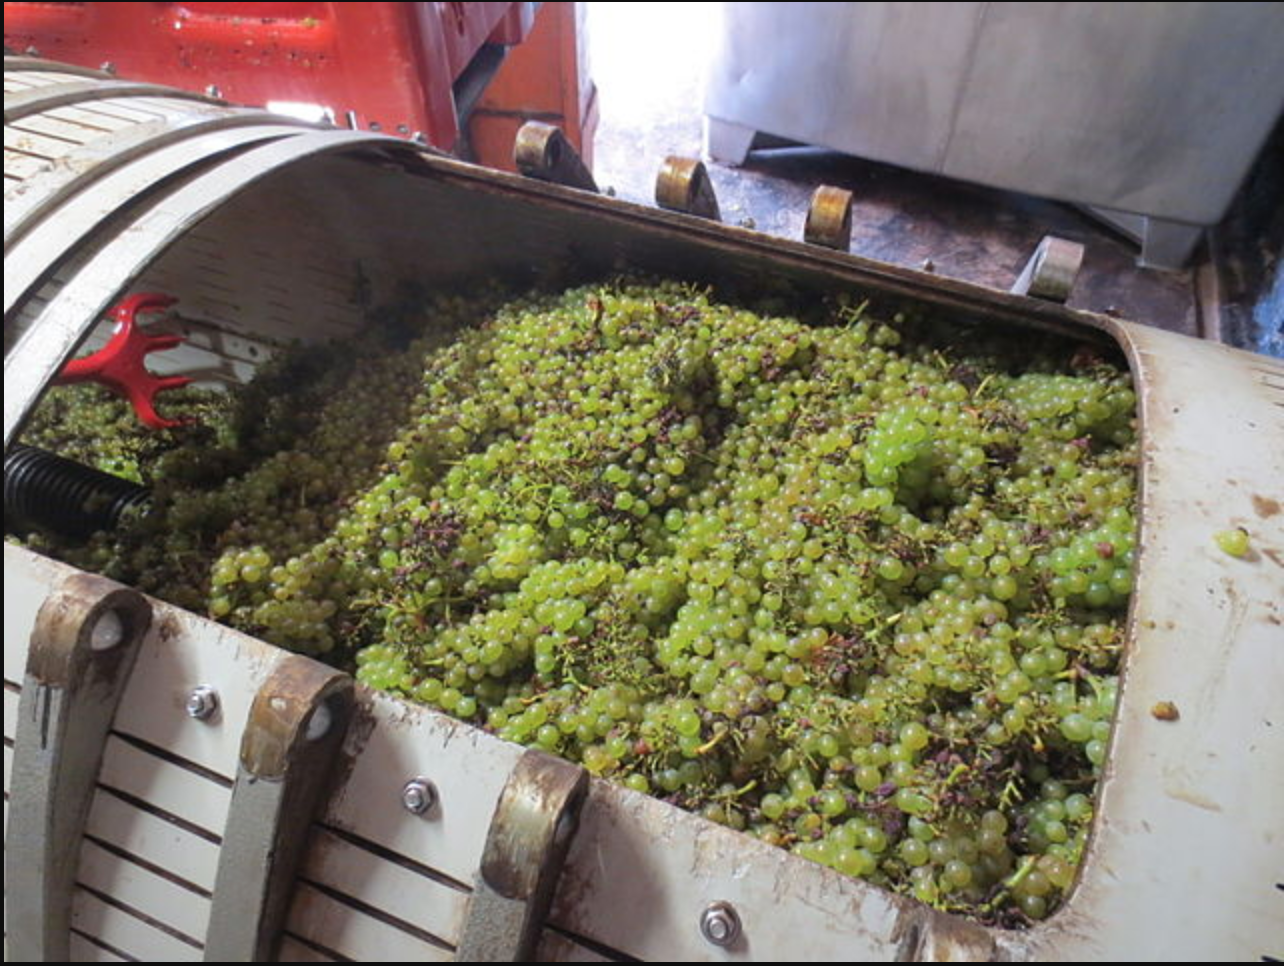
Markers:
point(121, 365)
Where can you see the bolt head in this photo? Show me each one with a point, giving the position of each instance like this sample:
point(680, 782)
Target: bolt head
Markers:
point(201, 703)
point(418, 796)
point(720, 924)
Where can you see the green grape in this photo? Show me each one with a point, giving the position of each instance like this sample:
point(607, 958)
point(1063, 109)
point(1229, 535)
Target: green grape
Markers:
point(847, 583)
point(1233, 541)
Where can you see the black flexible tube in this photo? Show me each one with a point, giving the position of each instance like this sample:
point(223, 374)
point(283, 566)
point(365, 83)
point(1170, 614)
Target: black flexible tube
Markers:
point(48, 491)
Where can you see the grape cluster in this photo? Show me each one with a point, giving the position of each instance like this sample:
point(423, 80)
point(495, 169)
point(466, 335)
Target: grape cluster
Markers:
point(855, 593)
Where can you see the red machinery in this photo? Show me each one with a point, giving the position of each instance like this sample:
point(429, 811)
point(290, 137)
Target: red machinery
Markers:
point(404, 68)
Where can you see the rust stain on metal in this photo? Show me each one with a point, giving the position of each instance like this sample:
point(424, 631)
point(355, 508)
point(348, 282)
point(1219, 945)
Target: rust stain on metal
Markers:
point(542, 792)
point(683, 184)
point(169, 628)
point(829, 218)
point(361, 727)
point(60, 652)
point(578, 883)
point(541, 151)
point(925, 935)
point(1191, 797)
point(280, 711)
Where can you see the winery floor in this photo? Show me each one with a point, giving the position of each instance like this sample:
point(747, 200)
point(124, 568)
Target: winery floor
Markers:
point(646, 60)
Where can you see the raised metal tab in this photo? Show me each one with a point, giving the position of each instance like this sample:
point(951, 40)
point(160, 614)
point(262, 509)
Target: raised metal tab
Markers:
point(683, 185)
point(290, 743)
point(1051, 270)
point(541, 151)
point(530, 833)
point(82, 651)
point(829, 218)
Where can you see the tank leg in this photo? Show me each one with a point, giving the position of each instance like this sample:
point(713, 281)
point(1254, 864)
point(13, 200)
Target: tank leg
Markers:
point(1168, 244)
point(727, 142)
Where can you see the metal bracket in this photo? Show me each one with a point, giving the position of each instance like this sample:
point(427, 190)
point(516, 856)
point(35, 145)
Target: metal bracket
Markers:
point(530, 833)
point(829, 218)
point(683, 185)
point(1051, 270)
point(541, 151)
point(83, 648)
point(291, 741)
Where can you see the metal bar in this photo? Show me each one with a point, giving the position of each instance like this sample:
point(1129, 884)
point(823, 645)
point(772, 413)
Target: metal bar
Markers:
point(82, 651)
point(291, 741)
point(41, 99)
point(41, 65)
point(530, 833)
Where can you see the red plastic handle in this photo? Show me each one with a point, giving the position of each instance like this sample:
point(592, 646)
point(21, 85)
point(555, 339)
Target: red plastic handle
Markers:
point(121, 365)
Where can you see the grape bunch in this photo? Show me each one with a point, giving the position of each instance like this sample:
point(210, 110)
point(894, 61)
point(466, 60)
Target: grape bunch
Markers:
point(845, 587)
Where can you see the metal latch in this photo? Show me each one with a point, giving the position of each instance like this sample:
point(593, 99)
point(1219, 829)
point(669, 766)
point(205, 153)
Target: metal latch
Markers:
point(530, 833)
point(83, 648)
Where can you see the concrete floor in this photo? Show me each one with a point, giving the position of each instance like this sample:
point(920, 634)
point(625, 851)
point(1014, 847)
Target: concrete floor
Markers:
point(647, 59)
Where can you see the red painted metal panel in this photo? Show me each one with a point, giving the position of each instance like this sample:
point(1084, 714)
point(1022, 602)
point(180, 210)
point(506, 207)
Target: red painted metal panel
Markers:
point(388, 66)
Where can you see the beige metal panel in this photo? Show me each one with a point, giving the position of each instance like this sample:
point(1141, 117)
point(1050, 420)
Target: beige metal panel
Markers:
point(1152, 108)
point(125, 931)
point(27, 579)
point(232, 663)
point(165, 785)
point(40, 77)
point(37, 144)
point(1190, 809)
point(143, 890)
point(298, 285)
point(53, 126)
point(356, 934)
point(677, 864)
point(292, 950)
point(11, 698)
point(468, 767)
point(407, 893)
point(556, 947)
point(86, 950)
point(159, 841)
point(22, 166)
point(92, 117)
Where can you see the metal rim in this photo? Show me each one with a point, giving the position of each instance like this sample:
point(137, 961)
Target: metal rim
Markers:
point(37, 100)
point(16, 62)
